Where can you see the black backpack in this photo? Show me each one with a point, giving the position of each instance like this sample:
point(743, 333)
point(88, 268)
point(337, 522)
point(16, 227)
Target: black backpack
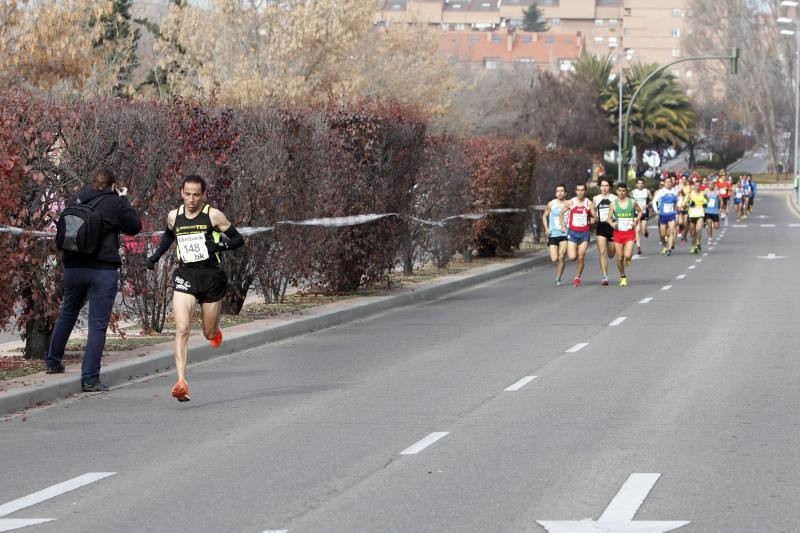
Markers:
point(80, 227)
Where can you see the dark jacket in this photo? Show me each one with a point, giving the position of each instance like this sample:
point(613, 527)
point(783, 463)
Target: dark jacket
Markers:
point(118, 216)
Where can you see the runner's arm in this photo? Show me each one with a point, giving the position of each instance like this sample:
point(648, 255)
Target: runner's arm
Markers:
point(167, 238)
point(234, 238)
point(612, 216)
point(545, 216)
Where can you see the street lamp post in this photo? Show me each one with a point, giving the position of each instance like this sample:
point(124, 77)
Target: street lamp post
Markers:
point(796, 33)
point(620, 85)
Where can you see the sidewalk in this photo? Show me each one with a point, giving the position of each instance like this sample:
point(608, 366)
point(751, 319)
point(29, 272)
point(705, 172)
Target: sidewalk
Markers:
point(121, 367)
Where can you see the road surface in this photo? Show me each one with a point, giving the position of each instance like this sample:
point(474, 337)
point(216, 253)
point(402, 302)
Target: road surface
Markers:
point(684, 411)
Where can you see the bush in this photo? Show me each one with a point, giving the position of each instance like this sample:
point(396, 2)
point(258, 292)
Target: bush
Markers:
point(501, 172)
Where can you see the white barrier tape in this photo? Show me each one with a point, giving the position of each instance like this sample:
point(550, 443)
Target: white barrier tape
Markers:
point(331, 222)
point(19, 231)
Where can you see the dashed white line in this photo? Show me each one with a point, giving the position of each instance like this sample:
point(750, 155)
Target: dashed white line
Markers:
point(424, 443)
point(790, 225)
point(705, 254)
point(52, 492)
point(666, 287)
point(740, 225)
point(645, 300)
point(519, 384)
point(681, 276)
point(276, 531)
point(765, 225)
point(698, 260)
point(579, 346)
point(692, 267)
point(618, 321)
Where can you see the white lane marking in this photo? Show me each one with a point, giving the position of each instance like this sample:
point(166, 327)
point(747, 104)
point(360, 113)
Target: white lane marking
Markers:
point(790, 225)
point(52, 492)
point(771, 256)
point(618, 516)
point(645, 300)
point(519, 384)
point(424, 443)
point(579, 346)
point(681, 276)
point(740, 225)
point(8, 524)
point(704, 253)
point(618, 321)
point(666, 287)
point(283, 530)
point(711, 249)
point(698, 260)
point(692, 267)
point(762, 225)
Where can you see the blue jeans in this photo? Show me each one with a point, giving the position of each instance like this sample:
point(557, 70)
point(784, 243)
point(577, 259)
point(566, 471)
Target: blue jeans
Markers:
point(100, 286)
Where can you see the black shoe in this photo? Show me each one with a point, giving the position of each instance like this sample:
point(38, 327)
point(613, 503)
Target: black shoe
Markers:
point(94, 387)
point(59, 369)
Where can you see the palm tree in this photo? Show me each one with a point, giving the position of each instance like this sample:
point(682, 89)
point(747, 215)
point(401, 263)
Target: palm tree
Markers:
point(662, 113)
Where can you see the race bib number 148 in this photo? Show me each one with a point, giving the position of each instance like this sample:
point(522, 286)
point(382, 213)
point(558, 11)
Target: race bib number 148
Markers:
point(193, 247)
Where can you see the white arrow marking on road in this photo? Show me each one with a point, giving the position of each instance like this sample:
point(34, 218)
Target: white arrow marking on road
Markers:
point(577, 347)
point(762, 225)
point(646, 300)
point(8, 524)
point(618, 516)
point(771, 256)
point(519, 384)
point(424, 443)
point(618, 321)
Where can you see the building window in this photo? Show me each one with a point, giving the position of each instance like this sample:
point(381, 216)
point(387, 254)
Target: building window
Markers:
point(549, 2)
point(613, 23)
point(598, 40)
point(549, 39)
point(676, 32)
point(565, 65)
point(676, 52)
point(445, 27)
point(613, 41)
point(677, 13)
point(524, 62)
point(497, 39)
point(567, 40)
point(598, 23)
point(527, 38)
point(474, 39)
point(491, 63)
point(555, 22)
point(459, 27)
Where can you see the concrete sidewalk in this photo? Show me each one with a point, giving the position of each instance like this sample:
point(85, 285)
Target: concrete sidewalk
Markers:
point(121, 368)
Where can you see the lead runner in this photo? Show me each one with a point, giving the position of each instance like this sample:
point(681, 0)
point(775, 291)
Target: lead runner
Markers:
point(199, 230)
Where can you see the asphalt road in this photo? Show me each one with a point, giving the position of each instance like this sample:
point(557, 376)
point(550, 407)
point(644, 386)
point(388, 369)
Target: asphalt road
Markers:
point(698, 384)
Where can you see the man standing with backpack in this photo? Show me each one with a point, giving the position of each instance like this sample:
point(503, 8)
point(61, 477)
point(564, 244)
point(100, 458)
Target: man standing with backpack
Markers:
point(87, 233)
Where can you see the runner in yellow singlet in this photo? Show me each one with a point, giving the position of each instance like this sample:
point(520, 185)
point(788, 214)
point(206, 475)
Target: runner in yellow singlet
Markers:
point(695, 204)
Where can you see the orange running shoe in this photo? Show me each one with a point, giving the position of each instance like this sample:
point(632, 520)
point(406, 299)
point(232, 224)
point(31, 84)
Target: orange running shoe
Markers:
point(216, 341)
point(180, 391)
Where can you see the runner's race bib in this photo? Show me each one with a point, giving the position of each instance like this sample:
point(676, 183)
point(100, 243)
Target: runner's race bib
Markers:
point(669, 208)
point(723, 191)
point(739, 194)
point(193, 247)
point(695, 212)
point(580, 219)
point(712, 202)
point(625, 224)
point(602, 212)
point(557, 223)
point(642, 202)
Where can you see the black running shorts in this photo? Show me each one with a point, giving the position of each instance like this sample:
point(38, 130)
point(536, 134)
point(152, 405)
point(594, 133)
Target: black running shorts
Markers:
point(604, 229)
point(208, 285)
point(554, 241)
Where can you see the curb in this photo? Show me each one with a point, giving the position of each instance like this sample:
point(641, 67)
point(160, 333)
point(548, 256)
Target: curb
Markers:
point(122, 372)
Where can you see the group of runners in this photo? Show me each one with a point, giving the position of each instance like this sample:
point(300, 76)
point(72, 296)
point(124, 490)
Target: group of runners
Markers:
point(684, 204)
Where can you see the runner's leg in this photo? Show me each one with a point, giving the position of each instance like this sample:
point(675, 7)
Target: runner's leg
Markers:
point(604, 253)
point(211, 313)
point(562, 252)
point(183, 308)
point(581, 257)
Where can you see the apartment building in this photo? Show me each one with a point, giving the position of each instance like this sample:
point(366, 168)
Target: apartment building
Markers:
point(650, 30)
